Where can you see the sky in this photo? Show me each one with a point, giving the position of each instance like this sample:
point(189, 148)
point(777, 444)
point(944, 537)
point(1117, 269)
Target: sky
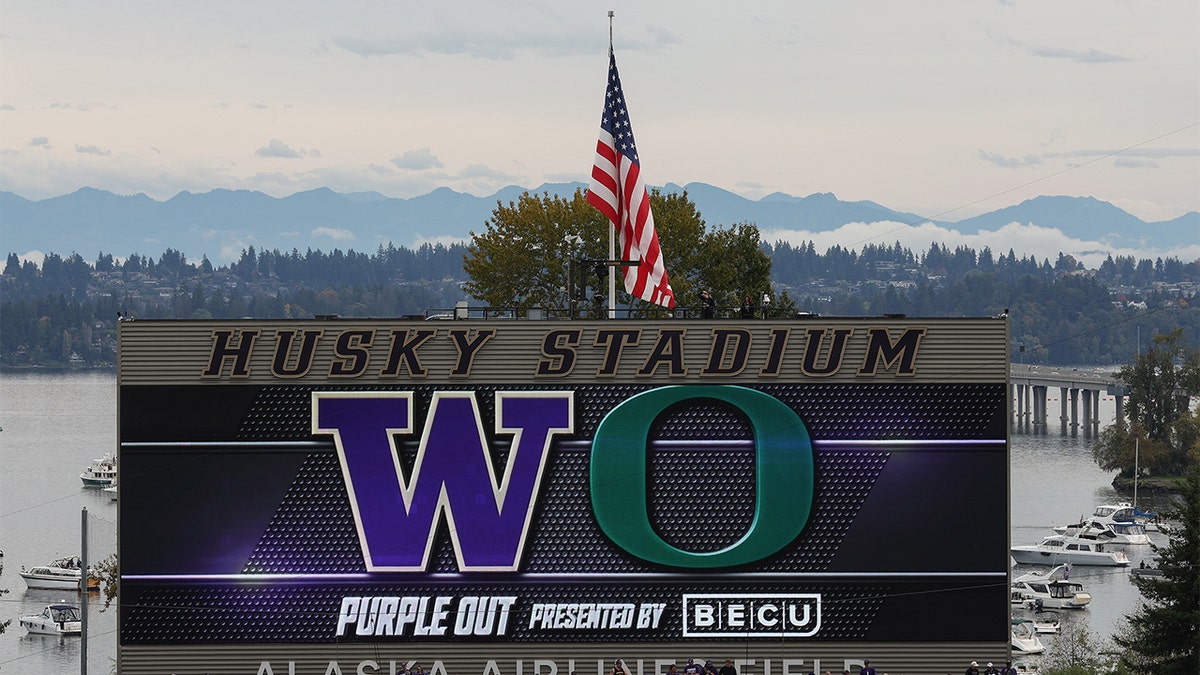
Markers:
point(945, 109)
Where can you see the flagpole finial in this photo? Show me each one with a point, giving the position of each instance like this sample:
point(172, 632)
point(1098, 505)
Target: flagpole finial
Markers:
point(610, 22)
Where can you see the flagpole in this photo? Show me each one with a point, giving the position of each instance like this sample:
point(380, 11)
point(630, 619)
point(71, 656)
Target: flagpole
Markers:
point(612, 245)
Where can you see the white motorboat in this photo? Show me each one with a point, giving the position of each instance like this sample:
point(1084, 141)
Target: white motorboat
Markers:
point(56, 619)
point(1046, 623)
point(61, 574)
point(101, 473)
point(1059, 549)
point(1107, 527)
point(1024, 638)
point(1128, 533)
point(1050, 590)
point(111, 491)
point(1124, 512)
point(1088, 529)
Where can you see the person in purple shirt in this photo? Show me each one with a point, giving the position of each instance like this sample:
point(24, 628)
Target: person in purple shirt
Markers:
point(867, 668)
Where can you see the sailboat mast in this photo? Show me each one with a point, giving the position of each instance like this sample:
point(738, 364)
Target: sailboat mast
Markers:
point(1136, 469)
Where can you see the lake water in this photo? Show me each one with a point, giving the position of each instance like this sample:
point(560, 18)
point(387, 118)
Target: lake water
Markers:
point(55, 424)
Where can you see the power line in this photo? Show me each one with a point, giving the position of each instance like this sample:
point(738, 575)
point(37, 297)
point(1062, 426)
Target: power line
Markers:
point(1068, 169)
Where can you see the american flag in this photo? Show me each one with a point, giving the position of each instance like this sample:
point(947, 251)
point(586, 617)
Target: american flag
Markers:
point(618, 191)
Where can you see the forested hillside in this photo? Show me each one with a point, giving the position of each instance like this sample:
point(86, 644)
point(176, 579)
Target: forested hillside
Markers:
point(63, 313)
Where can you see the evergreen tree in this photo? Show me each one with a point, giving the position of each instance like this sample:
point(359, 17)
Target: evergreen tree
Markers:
point(1164, 634)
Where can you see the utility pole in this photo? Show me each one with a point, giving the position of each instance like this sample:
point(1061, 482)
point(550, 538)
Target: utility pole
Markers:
point(83, 591)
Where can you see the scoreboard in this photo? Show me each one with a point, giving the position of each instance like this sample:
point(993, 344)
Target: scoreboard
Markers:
point(527, 497)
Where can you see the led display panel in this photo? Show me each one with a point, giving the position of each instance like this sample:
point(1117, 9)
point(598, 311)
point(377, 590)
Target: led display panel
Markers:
point(525, 497)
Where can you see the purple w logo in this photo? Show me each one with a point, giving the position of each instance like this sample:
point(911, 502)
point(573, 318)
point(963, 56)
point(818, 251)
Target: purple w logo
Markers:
point(488, 516)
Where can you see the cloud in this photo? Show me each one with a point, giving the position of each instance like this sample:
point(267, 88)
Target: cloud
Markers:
point(1009, 162)
point(35, 256)
point(568, 177)
point(505, 37)
point(417, 160)
point(40, 142)
point(6, 108)
point(92, 150)
point(335, 233)
point(1151, 153)
point(1024, 240)
point(477, 171)
point(84, 106)
point(444, 239)
point(663, 35)
point(278, 149)
point(1130, 163)
point(1088, 56)
point(492, 46)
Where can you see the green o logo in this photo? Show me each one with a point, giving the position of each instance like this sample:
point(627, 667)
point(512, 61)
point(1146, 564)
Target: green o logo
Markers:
point(783, 487)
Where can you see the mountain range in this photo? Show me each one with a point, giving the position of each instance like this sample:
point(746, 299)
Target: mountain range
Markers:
point(221, 223)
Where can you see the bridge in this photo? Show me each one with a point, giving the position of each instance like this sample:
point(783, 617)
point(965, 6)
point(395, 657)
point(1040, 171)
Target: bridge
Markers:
point(1081, 388)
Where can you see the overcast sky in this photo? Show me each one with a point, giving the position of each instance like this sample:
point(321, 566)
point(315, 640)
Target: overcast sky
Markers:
point(944, 109)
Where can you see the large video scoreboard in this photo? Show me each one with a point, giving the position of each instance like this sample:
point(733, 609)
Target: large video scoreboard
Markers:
point(525, 497)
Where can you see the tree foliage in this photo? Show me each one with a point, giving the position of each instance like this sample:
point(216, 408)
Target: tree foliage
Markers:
point(1077, 651)
point(106, 571)
point(1160, 382)
point(1159, 434)
point(523, 258)
point(1164, 633)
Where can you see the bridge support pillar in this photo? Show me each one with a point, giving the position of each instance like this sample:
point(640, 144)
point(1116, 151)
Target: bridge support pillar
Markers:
point(1062, 410)
point(1096, 413)
point(1087, 412)
point(1039, 409)
point(1015, 397)
point(1074, 413)
point(1022, 409)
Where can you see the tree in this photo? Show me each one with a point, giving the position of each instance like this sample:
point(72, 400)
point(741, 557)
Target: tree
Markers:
point(523, 259)
point(733, 265)
point(1164, 632)
point(106, 571)
point(1076, 651)
point(1161, 381)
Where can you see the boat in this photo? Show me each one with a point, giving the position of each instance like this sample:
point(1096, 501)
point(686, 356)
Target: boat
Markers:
point(111, 491)
point(101, 473)
point(1024, 638)
point(1144, 570)
point(56, 619)
point(60, 574)
point(1112, 532)
point(1046, 622)
point(1050, 590)
point(1124, 512)
point(1061, 549)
